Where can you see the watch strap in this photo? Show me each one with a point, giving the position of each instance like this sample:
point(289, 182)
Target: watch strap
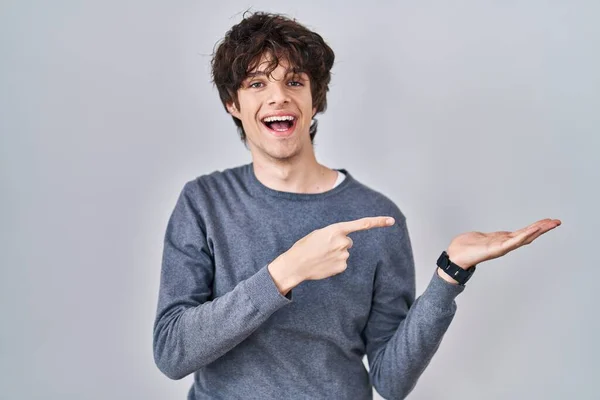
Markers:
point(457, 273)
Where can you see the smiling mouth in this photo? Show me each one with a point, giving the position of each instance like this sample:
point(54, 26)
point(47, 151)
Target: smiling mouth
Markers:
point(280, 126)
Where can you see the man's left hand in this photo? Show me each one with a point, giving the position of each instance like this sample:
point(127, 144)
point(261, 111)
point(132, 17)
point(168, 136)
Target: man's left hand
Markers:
point(472, 248)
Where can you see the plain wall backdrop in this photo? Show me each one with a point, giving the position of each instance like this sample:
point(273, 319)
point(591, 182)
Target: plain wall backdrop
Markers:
point(470, 115)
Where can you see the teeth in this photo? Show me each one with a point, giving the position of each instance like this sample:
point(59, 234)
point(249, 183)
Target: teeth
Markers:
point(279, 118)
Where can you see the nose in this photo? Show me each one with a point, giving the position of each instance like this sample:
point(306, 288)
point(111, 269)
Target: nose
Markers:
point(278, 93)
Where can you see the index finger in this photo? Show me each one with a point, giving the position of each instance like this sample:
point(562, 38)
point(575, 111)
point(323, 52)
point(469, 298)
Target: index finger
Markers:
point(365, 223)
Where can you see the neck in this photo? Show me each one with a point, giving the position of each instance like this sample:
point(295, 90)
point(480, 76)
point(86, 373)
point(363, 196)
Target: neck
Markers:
point(295, 175)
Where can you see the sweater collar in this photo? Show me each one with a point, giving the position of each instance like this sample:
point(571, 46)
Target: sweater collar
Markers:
point(258, 187)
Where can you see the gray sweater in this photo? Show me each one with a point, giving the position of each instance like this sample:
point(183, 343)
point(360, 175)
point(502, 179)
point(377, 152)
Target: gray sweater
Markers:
point(221, 317)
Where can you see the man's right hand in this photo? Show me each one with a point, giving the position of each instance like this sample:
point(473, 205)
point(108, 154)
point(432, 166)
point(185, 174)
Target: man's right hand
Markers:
point(320, 254)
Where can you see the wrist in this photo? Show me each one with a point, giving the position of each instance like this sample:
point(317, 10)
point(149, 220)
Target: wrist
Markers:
point(442, 274)
point(452, 272)
point(457, 260)
point(282, 275)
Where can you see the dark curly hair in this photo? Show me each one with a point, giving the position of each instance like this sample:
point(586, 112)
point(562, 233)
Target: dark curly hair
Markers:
point(282, 38)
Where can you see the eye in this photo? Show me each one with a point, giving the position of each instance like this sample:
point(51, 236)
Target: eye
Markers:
point(254, 85)
point(295, 83)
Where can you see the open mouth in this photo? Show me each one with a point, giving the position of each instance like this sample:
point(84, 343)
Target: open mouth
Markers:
point(280, 125)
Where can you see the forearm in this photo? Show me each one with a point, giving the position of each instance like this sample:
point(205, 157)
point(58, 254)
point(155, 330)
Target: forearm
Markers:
point(188, 338)
point(398, 364)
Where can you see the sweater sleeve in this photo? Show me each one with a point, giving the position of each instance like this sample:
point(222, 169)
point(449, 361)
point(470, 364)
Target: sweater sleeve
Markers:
point(402, 334)
point(191, 328)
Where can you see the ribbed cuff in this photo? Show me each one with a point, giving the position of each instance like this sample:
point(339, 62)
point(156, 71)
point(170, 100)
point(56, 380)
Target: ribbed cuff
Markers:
point(440, 293)
point(263, 293)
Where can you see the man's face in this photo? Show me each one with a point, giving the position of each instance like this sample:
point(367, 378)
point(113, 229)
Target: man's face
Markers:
point(276, 111)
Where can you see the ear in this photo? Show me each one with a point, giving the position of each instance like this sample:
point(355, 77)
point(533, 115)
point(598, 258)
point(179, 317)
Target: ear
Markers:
point(314, 111)
point(232, 109)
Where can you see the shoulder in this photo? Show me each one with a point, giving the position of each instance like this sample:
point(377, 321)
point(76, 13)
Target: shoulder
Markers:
point(214, 183)
point(206, 196)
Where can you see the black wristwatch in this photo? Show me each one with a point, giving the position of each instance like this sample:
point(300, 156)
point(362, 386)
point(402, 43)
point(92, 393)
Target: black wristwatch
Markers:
point(456, 272)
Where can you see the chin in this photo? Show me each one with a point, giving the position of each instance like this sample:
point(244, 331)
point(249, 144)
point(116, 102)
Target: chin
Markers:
point(282, 151)
point(283, 155)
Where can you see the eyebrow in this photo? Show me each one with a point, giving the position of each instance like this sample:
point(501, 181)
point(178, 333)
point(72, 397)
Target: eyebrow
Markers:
point(289, 71)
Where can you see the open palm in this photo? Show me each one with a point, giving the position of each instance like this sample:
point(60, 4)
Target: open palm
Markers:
point(472, 248)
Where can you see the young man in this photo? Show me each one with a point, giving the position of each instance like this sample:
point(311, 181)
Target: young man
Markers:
point(263, 293)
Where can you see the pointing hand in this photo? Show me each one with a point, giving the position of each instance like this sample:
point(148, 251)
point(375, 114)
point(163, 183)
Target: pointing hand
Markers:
point(320, 254)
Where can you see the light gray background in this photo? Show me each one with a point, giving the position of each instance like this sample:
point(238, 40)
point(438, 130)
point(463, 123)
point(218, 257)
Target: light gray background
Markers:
point(469, 115)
